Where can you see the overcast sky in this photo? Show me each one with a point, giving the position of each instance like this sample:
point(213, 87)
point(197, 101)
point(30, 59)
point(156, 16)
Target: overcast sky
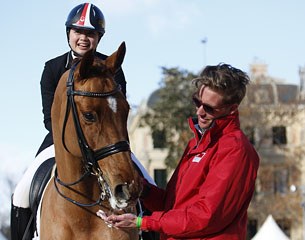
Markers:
point(157, 33)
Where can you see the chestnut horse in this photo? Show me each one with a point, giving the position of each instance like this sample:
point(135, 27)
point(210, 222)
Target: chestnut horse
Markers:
point(94, 169)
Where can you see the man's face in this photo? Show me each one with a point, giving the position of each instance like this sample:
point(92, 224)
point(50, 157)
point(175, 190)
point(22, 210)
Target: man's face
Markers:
point(81, 41)
point(209, 105)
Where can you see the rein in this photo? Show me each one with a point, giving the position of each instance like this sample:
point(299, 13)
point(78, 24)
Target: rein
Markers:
point(90, 157)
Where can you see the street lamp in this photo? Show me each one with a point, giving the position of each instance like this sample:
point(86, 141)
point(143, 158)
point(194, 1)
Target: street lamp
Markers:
point(294, 188)
point(204, 42)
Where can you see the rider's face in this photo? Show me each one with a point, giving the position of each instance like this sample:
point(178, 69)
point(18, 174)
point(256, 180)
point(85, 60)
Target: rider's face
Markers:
point(81, 41)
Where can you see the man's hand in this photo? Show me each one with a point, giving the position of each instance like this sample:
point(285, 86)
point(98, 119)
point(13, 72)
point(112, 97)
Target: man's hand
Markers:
point(127, 220)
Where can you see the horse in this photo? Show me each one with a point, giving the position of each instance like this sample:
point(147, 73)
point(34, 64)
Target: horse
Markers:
point(94, 169)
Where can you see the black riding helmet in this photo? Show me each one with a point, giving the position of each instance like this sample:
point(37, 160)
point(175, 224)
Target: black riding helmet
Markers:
point(86, 16)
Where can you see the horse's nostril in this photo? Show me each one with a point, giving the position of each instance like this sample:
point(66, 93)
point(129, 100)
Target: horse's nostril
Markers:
point(122, 192)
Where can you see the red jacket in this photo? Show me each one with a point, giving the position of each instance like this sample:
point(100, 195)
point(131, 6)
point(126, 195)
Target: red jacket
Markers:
point(209, 193)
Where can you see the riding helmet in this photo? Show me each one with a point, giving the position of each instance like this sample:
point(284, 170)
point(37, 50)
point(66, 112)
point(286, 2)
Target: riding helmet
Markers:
point(86, 16)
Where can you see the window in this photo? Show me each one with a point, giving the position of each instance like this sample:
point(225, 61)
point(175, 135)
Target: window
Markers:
point(249, 131)
point(279, 135)
point(285, 225)
point(251, 228)
point(273, 180)
point(267, 181)
point(280, 181)
point(159, 139)
point(160, 177)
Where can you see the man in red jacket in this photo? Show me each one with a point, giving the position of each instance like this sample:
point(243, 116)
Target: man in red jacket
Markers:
point(209, 193)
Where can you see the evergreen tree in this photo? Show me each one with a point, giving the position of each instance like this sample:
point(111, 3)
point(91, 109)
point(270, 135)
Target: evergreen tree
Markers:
point(171, 110)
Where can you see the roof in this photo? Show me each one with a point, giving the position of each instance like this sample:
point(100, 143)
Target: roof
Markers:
point(153, 98)
point(272, 93)
point(270, 231)
point(265, 94)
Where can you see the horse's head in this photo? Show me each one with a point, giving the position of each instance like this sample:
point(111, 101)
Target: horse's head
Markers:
point(89, 120)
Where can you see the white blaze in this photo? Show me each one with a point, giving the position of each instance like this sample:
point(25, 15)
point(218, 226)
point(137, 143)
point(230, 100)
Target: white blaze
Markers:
point(112, 104)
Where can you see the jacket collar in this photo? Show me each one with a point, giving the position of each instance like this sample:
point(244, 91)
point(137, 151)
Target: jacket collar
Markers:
point(217, 129)
point(69, 60)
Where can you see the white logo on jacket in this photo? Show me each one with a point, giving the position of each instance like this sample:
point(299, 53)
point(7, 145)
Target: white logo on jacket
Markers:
point(198, 157)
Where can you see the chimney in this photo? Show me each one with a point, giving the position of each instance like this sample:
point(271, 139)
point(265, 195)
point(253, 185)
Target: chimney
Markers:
point(302, 83)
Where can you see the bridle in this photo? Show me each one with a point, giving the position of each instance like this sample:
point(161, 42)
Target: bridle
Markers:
point(90, 157)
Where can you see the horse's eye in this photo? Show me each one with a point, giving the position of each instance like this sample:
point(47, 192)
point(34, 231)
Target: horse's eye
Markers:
point(90, 117)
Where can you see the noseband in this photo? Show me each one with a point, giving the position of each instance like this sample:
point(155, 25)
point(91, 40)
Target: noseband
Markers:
point(89, 156)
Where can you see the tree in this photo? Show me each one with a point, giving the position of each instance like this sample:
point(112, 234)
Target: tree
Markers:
point(171, 110)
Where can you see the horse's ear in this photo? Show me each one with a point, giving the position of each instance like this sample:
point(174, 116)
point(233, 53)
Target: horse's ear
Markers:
point(86, 62)
point(115, 60)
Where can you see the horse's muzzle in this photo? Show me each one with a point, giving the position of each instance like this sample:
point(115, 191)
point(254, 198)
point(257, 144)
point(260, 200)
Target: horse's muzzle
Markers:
point(126, 194)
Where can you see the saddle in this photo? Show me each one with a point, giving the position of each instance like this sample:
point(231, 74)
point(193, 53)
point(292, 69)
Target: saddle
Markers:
point(39, 182)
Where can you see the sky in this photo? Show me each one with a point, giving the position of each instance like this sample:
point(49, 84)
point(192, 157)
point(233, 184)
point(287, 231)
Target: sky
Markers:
point(157, 33)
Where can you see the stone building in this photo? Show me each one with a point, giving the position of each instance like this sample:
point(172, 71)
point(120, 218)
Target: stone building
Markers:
point(273, 117)
point(148, 150)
